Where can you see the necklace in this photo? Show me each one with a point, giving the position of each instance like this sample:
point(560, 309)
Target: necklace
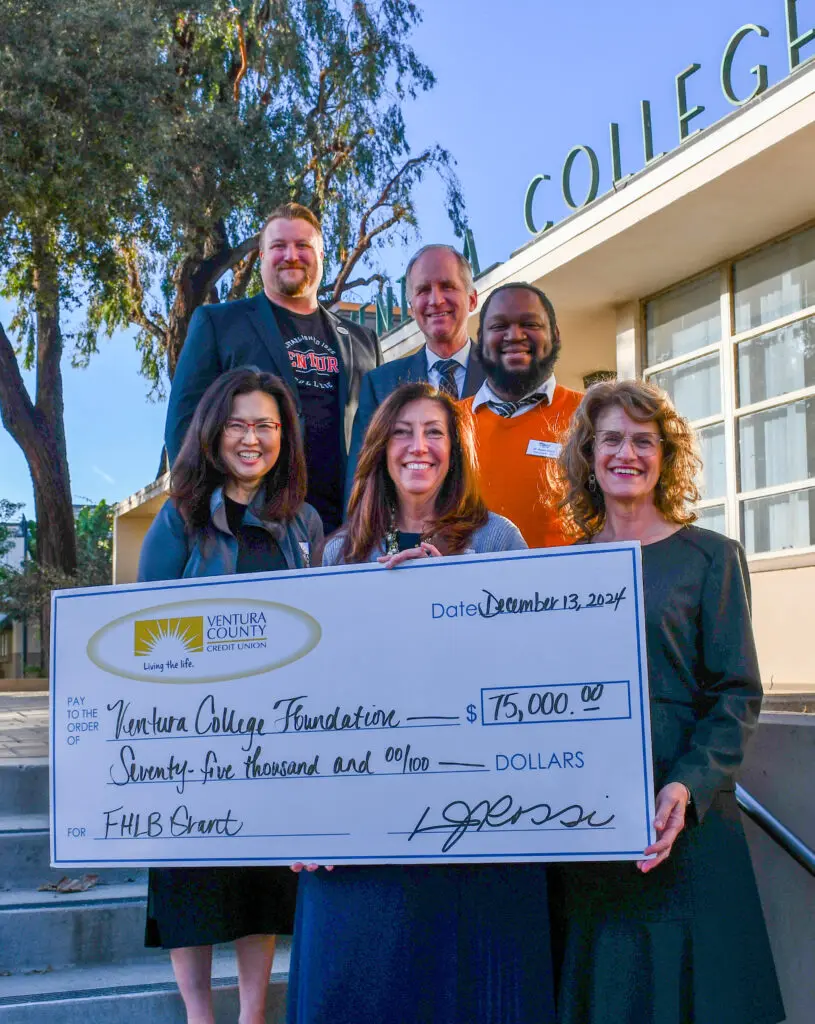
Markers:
point(392, 537)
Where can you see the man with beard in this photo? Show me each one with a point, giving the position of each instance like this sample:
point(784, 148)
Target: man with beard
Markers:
point(520, 413)
point(285, 331)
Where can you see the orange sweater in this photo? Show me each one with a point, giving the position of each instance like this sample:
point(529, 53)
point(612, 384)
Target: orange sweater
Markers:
point(516, 484)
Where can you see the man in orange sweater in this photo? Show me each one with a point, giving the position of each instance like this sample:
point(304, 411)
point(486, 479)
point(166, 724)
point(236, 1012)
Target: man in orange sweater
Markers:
point(521, 414)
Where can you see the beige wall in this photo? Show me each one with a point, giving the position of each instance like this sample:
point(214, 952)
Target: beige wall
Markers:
point(128, 534)
point(589, 344)
point(784, 624)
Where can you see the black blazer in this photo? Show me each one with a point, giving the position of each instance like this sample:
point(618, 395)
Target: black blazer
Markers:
point(379, 383)
point(223, 336)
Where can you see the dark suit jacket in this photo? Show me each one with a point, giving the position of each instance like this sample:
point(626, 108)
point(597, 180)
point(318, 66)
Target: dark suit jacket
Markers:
point(379, 383)
point(223, 336)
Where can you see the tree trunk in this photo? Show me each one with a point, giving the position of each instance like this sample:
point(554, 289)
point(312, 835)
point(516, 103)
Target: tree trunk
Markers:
point(38, 427)
point(193, 287)
point(56, 534)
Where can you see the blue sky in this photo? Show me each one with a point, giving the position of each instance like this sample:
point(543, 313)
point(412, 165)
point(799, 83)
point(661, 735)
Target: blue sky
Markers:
point(520, 83)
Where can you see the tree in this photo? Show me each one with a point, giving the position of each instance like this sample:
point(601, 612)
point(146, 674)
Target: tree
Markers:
point(25, 592)
point(75, 86)
point(284, 99)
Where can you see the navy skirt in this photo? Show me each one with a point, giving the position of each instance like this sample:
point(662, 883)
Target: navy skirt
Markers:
point(422, 944)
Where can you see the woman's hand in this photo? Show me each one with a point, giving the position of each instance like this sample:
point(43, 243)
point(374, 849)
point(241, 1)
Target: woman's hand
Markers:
point(299, 866)
point(424, 550)
point(672, 801)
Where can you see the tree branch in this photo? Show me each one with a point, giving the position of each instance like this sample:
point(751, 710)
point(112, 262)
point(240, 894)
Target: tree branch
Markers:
point(135, 293)
point(16, 408)
point(362, 246)
point(327, 290)
point(242, 275)
point(343, 152)
point(389, 186)
point(236, 89)
point(213, 269)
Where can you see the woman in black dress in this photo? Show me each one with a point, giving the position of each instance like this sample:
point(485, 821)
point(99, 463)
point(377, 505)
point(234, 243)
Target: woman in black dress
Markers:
point(678, 938)
point(236, 506)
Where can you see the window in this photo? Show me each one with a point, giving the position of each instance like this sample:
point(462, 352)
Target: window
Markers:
point(5, 644)
point(735, 349)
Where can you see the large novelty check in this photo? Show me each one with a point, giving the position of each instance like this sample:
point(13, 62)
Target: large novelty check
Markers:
point(484, 708)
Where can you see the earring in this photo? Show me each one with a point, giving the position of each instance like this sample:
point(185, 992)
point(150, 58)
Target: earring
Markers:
point(592, 482)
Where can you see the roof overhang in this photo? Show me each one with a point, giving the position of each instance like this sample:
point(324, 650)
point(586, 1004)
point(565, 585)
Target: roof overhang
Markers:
point(725, 190)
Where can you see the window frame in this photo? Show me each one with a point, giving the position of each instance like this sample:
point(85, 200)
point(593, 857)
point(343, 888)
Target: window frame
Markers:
point(727, 349)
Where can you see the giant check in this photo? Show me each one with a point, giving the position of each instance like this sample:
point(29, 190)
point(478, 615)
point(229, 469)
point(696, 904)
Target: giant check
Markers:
point(483, 708)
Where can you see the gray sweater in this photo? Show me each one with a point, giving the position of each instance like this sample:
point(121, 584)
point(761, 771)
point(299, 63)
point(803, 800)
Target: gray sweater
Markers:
point(497, 534)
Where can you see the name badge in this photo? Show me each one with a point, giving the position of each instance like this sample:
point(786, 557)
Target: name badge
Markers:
point(545, 449)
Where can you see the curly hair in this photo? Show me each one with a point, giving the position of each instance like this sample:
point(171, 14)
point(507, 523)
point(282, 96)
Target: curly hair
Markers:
point(460, 509)
point(199, 469)
point(676, 488)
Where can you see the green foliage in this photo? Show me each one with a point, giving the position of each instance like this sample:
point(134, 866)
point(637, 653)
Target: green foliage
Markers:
point(291, 99)
point(94, 540)
point(78, 83)
point(24, 591)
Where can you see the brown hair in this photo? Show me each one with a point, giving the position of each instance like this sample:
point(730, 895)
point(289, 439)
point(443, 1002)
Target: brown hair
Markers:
point(460, 509)
point(198, 470)
point(291, 211)
point(645, 403)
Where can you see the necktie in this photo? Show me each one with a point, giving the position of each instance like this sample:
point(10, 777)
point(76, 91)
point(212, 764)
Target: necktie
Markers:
point(446, 369)
point(507, 409)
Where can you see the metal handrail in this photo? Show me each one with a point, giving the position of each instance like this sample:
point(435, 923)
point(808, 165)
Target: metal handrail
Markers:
point(767, 822)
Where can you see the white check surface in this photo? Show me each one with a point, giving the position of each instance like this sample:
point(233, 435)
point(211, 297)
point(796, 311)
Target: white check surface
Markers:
point(486, 708)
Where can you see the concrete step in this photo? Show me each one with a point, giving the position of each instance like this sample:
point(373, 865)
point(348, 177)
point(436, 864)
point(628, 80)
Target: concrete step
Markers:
point(24, 786)
point(129, 994)
point(25, 856)
point(39, 930)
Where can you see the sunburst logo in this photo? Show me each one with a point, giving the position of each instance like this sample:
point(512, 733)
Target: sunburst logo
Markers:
point(170, 637)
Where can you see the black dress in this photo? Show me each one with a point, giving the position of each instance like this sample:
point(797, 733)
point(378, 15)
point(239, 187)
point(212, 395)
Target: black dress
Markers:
point(686, 943)
point(202, 906)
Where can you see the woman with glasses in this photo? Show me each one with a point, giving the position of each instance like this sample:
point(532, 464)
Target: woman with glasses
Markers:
point(236, 505)
point(678, 937)
point(438, 943)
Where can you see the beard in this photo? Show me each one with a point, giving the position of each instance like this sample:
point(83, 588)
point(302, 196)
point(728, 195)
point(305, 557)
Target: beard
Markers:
point(517, 383)
point(293, 288)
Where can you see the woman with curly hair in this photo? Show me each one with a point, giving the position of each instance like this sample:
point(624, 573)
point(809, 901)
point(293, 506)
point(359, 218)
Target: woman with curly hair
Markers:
point(420, 944)
point(678, 938)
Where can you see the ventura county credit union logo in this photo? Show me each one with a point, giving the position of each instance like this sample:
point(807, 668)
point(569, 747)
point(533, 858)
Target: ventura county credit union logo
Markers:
point(170, 636)
point(204, 641)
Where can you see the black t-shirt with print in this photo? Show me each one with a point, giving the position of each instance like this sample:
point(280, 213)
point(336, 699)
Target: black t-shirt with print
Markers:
point(315, 364)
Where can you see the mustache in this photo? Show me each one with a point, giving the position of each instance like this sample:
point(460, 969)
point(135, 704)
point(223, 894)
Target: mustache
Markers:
point(518, 383)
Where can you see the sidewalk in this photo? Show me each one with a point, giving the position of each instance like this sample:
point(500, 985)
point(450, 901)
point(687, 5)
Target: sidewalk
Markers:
point(23, 726)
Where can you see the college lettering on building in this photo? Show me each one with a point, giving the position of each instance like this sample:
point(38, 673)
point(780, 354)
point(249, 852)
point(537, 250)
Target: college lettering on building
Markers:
point(686, 114)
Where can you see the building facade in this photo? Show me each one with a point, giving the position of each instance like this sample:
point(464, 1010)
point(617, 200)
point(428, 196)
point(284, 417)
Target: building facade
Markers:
point(698, 273)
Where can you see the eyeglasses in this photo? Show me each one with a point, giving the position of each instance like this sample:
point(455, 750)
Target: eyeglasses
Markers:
point(263, 429)
point(611, 441)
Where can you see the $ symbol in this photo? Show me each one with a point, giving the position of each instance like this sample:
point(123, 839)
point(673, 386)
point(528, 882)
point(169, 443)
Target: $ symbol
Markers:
point(471, 715)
